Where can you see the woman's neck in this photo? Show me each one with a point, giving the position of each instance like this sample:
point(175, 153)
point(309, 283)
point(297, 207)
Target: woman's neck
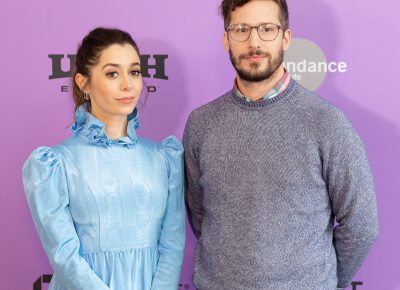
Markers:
point(115, 125)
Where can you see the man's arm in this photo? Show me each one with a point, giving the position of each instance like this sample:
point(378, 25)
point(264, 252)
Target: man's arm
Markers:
point(193, 193)
point(351, 189)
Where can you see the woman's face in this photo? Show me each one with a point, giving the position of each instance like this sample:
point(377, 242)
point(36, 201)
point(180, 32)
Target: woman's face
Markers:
point(116, 82)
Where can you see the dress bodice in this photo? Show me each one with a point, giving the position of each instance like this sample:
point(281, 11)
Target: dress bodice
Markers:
point(92, 196)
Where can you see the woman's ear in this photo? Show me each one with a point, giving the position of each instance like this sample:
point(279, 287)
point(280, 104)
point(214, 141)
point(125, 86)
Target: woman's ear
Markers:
point(81, 81)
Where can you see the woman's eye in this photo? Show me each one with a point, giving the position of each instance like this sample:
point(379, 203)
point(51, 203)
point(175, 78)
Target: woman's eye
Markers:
point(136, 73)
point(112, 75)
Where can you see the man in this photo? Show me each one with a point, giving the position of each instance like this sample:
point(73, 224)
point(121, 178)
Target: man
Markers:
point(279, 190)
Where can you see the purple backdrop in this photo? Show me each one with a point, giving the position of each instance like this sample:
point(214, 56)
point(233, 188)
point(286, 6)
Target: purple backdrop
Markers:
point(36, 112)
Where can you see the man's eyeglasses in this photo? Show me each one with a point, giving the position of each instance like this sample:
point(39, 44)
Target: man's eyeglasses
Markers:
point(241, 32)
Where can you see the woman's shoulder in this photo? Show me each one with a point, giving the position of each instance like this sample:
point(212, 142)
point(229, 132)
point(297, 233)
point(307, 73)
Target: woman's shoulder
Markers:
point(173, 153)
point(41, 164)
point(167, 144)
point(172, 143)
point(44, 154)
point(45, 158)
point(170, 150)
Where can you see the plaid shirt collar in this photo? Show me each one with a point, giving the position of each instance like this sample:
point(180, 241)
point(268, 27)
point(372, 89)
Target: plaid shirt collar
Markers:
point(278, 88)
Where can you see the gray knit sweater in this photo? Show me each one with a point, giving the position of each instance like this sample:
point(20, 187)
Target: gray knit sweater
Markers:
point(265, 184)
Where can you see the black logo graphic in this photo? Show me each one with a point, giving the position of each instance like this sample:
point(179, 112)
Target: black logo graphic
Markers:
point(57, 72)
point(354, 284)
point(44, 279)
point(157, 66)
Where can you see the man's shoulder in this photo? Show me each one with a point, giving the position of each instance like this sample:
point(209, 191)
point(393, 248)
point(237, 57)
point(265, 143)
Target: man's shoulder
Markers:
point(316, 109)
point(210, 109)
point(204, 117)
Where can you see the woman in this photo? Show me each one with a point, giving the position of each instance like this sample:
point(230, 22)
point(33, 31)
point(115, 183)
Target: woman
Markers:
point(107, 204)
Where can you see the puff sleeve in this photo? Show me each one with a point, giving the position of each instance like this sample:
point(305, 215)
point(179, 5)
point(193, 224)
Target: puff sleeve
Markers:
point(172, 238)
point(46, 190)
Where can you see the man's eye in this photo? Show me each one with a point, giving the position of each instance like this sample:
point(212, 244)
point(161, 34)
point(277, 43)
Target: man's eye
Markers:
point(112, 75)
point(242, 29)
point(267, 29)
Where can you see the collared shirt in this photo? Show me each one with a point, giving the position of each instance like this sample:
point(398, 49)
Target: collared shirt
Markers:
point(278, 88)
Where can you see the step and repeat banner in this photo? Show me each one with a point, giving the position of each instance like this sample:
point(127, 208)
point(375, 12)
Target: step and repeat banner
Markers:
point(346, 51)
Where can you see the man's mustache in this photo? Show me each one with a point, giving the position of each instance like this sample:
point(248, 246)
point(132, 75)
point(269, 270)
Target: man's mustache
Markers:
point(253, 53)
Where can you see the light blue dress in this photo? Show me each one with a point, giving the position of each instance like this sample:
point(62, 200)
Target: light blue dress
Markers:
point(109, 213)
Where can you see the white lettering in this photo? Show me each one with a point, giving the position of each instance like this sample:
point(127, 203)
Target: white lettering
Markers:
point(305, 66)
point(342, 67)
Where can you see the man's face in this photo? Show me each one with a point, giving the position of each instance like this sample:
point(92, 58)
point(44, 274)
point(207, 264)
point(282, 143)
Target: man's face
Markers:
point(256, 60)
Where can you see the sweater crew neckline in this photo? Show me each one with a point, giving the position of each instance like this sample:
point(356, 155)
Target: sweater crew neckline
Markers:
point(254, 105)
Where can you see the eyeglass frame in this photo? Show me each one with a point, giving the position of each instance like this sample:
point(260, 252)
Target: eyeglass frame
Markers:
point(228, 30)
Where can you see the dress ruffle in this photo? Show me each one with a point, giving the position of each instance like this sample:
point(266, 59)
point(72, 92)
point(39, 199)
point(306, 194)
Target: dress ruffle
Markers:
point(94, 130)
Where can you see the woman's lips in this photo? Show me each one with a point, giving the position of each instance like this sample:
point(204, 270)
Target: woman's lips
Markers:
point(126, 100)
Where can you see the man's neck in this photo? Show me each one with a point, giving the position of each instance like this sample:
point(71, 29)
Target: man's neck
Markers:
point(256, 90)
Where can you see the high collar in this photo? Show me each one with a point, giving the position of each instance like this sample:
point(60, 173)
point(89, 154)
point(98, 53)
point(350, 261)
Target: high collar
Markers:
point(93, 129)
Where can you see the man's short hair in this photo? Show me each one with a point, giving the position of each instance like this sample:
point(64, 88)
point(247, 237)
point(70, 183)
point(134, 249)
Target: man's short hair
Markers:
point(227, 6)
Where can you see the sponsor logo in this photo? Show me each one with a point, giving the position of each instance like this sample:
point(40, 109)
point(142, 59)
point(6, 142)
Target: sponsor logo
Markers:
point(307, 63)
point(152, 66)
point(45, 279)
point(354, 285)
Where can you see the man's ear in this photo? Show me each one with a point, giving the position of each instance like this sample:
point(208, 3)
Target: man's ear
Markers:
point(287, 38)
point(225, 41)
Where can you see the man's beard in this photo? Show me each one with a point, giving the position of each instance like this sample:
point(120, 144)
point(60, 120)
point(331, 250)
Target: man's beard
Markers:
point(252, 75)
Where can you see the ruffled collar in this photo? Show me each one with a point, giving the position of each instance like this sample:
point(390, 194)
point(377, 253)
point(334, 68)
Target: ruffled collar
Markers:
point(90, 127)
